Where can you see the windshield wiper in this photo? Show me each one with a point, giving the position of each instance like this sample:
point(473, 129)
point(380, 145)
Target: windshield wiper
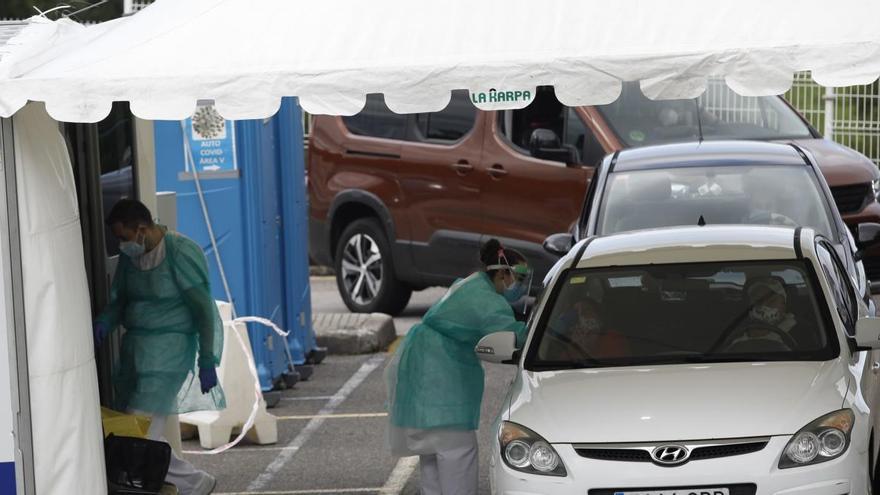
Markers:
point(716, 358)
point(564, 365)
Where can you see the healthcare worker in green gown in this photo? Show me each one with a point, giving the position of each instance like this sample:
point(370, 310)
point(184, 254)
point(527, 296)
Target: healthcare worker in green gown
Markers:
point(173, 334)
point(435, 380)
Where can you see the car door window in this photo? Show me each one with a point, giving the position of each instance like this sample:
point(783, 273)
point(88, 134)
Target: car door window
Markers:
point(841, 287)
point(450, 124)
point(574, 143)
point(377, 120)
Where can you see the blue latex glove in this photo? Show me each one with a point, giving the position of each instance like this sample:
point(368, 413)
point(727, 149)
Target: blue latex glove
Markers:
point(100, 330)
point(208, 378)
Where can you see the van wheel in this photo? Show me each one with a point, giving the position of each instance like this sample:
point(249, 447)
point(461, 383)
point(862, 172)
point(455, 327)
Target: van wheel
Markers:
point(365, 271)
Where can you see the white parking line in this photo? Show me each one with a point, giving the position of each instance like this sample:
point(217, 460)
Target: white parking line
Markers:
point(307, 492)
point(335, 416)
point(306, 433)
point(318, 397)
point(399, 476)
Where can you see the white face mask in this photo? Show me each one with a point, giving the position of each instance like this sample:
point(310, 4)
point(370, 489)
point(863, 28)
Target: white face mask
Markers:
point(668, 117)
point(766, 314)
point(133, 249)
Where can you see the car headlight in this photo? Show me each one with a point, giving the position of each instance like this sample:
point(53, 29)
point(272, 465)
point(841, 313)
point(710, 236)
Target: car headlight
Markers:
point(524, 450)
point(822, 440)
point(875, 186)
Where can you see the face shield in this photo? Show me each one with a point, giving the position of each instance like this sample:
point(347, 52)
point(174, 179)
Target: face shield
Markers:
point(521, 275)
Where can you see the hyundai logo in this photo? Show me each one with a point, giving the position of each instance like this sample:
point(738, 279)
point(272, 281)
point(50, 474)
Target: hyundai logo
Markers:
point(670, 455)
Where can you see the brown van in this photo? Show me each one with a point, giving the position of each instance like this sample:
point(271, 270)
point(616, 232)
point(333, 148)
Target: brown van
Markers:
point(402, 202)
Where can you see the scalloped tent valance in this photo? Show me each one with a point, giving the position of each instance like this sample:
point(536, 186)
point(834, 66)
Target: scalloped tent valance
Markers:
point(248, 54)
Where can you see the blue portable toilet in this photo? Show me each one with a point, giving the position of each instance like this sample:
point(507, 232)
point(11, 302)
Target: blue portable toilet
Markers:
point(252, 178)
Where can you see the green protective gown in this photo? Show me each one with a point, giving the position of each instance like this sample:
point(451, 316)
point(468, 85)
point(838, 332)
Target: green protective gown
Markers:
point(170, 318)
point(439, 379)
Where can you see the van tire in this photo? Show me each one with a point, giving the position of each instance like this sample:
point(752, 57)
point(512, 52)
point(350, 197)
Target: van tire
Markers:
point(365, 273)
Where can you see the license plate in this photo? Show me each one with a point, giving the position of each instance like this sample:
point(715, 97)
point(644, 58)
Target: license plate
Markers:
point(680, 491)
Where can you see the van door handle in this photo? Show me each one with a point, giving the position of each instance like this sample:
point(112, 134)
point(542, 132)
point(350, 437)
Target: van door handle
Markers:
point(462, 167)
point(876, 366)
point(497, 171)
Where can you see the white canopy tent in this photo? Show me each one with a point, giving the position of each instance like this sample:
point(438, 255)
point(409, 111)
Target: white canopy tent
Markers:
point(247, 54)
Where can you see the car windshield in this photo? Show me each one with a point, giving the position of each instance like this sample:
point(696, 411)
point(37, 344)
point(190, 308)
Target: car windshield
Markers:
point(723, 114)
point(752, 195)
point(682, 313)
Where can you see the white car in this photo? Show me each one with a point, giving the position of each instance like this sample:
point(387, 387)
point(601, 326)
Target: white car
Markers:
point(734, 360)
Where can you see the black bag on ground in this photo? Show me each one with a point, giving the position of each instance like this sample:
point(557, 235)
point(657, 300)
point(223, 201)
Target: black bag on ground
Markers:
point(136, 465)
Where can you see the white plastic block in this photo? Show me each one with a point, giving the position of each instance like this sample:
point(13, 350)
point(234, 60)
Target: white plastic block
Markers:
point(216, 427)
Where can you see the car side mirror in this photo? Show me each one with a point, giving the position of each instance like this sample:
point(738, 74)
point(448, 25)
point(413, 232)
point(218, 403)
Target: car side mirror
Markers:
point(559, 244)
point(868, 332)
point(498, 347)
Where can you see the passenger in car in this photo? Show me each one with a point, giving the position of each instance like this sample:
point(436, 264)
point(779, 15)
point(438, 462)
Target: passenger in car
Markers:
point(580, 333)
point(768, 318)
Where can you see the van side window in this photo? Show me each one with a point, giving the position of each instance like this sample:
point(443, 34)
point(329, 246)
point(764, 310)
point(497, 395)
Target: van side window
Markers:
point(451, 123)
point(377, 120)
point(565, 136)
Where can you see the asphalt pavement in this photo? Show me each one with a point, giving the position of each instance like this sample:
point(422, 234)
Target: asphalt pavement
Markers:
point(331, 429)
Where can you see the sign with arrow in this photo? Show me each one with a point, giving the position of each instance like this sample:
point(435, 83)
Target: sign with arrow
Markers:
point(212, 141)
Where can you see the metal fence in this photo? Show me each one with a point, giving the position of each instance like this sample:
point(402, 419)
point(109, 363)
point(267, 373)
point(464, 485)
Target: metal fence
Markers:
point(727, 106)
point(132, 6)
point(850, 116)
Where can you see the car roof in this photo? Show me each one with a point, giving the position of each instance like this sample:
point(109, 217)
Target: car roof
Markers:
point(708, 153)
point(695, 244)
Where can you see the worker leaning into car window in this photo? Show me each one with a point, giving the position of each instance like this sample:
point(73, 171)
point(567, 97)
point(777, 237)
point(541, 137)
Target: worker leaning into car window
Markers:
point(174, 337)
point(435, 380)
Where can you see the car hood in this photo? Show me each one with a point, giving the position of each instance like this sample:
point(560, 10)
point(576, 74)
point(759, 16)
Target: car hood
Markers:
point(677, 402)
point(840, 165)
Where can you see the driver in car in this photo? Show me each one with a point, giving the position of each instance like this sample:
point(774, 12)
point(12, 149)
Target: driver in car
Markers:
point(768, 317)
point(765, 198)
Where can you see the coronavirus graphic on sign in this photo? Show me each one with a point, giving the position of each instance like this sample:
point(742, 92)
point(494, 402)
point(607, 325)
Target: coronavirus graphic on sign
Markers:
point(212, 141)
point(208, 124)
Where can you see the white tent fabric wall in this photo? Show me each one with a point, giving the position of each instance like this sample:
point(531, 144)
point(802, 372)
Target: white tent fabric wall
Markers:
point(66, 418)
point(246, 55)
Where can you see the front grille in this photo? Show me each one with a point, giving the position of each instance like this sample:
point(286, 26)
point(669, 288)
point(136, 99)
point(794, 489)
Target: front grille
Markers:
point(715, 451)
point(739, 489)
point(697, 452)
point(619, 455)
point(850, 199)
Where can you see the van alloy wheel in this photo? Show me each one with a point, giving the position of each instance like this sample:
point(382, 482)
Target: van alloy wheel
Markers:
point(362, 268)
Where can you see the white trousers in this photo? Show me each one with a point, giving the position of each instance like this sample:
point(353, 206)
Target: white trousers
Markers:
point(181, 473)
point(451, 471)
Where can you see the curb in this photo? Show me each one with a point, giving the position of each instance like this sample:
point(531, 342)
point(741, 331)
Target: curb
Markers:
point(320, 271)
point(353, 333)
